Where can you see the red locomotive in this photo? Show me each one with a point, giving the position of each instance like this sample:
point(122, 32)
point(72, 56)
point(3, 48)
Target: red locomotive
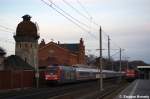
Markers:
point(131, 74)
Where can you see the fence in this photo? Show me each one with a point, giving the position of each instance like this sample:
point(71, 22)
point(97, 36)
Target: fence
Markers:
point(16, 79)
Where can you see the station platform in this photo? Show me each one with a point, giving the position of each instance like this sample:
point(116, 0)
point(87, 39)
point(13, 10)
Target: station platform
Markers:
point(139, 89)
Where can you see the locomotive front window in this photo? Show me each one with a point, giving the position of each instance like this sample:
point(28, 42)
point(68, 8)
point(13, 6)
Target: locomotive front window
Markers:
point(52, 70)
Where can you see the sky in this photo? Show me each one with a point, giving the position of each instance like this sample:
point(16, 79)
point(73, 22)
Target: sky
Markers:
point(127, 22)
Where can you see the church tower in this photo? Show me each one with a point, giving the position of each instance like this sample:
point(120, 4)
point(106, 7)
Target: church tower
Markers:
point(26, 38)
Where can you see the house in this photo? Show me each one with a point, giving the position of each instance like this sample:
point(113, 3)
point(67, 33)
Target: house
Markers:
point(15, 62)
point(61, 54)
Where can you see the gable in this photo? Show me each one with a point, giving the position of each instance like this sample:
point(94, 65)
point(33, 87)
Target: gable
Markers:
point(52, 45)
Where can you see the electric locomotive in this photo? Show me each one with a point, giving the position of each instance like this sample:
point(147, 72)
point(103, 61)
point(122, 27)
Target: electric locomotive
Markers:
point(60, 74)
point(131, 74)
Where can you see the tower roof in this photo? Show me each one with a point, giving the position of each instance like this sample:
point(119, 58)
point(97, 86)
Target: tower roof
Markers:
point(26, 27)
point(26, 17)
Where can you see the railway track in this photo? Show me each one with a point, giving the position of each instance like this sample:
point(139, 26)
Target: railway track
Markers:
point(71, 90)
point(111, 91)
point(44, 93)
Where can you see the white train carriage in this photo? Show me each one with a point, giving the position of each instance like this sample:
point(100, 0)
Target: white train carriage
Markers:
point(90, 73)
point(110, 74)
point(84, 74)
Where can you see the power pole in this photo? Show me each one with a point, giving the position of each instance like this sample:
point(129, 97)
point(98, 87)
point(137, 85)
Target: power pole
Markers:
point(108, 48)
point(127, 62)
point(109, 52)
point(120, 59)
point(112, 64)
point(100, 59)
point(37, 74)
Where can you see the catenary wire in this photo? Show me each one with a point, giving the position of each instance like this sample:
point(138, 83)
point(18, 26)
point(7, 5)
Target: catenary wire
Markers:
point(69, 19)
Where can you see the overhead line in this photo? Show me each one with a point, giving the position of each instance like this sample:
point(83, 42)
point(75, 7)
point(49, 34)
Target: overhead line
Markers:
point(111, 39)
point(69, 19)
point(7, 41)
point(68, 14)
point(87, 12)
point(115, 44)
point(64, 15)
point(95, 22)
point(6, 28)
point(83, 8)
point(105, 33)
point(76, 10)
point(80, 13)
point(90, 19)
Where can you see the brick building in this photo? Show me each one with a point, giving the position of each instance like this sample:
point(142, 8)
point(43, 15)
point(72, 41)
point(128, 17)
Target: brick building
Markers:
point(61, 54)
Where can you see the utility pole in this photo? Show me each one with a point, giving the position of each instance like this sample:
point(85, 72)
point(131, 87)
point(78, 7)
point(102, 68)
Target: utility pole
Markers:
point(108, 48)
point(120, 60)
point(112, 64)
point(100, 59)
point(37, 78)
point(109, 53)
point(127, 62)
point(37, 73)
point(120, 65)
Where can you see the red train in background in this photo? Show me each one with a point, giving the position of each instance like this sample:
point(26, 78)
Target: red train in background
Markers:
point(131, 74)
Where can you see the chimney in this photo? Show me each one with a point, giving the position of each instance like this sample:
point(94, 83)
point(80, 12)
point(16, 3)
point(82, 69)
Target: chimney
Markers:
point(58, 42)
point(81, 41)
point(42, 43)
